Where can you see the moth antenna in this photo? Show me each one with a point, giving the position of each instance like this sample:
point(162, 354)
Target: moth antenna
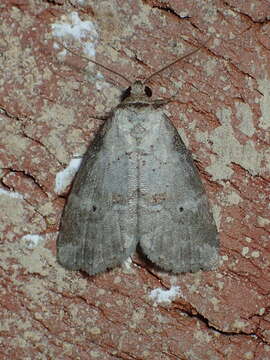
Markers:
point(94, 62)
point(176, 61)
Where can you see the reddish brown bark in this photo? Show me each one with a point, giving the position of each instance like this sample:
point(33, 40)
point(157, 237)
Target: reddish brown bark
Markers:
point(50, 109)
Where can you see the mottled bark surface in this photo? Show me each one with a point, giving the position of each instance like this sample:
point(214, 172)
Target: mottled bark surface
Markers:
point(51, 105)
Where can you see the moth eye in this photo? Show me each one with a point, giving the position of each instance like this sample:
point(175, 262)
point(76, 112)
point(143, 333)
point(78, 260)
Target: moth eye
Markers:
point(125, 94)
point(94, 208)
point(181, 209)
point(148, 91)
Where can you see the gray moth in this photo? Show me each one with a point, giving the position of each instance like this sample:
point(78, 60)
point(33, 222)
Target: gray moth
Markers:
point(137, 186)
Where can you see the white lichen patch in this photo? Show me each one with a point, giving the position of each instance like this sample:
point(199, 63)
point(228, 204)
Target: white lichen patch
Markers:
point(264, 88)
point(245, 116)
point(15, 215)
point(229, 150)
point(233, 198)
point(11, 194)
point(72, 27)
point(31, 240)
point(34, 261)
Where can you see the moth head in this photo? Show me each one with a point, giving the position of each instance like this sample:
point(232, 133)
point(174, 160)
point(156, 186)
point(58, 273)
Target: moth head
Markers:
point(137, 89)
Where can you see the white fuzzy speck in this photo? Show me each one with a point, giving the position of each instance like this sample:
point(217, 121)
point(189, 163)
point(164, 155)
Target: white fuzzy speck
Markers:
point(127, 263)
point(263, 221)
point(255, 254)
point(64, 177)
point(183, 14)
point(11, 194)
point(31, 240)
point(99, 76)
point(164, 296)
point(245, 250)
point(72, 26)
point(261, 311)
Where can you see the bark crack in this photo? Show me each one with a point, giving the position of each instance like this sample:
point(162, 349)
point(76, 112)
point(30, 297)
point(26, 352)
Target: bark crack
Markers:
point(26, 174)
point(38, 142)
point(9, 188)
point(165, 7)
point(203, 319)
point(265, 20)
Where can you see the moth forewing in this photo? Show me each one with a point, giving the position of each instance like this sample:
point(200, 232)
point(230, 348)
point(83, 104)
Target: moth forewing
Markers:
point(137, 185)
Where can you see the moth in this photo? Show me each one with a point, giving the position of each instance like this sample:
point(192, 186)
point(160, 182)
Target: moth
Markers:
point(137, 186)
